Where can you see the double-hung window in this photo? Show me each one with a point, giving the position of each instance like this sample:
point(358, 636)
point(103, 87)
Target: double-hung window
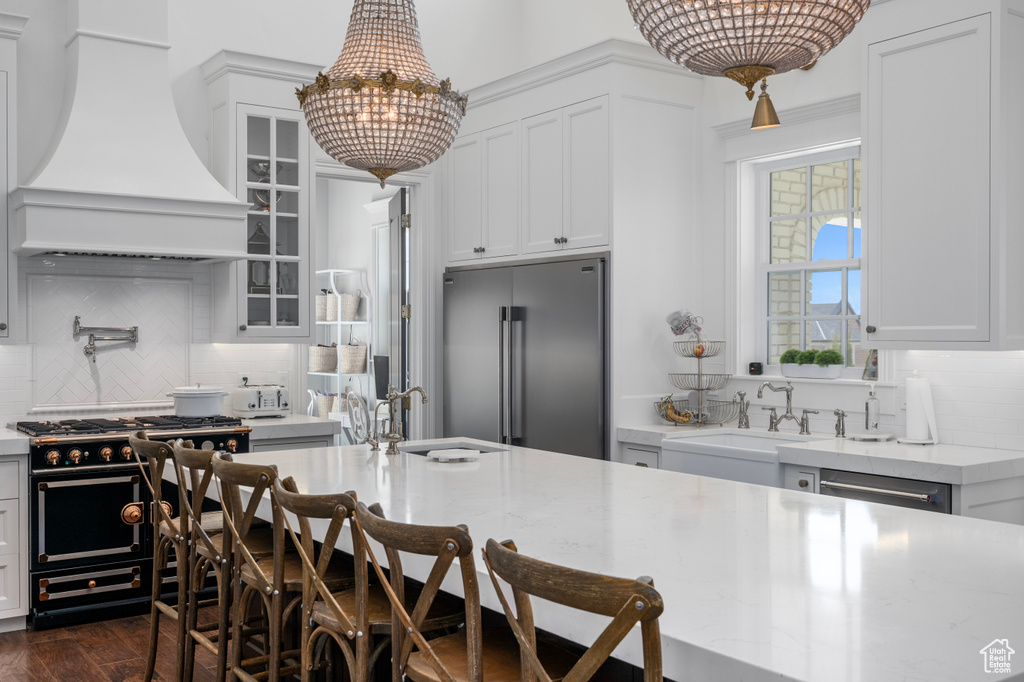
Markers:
point(809, 246)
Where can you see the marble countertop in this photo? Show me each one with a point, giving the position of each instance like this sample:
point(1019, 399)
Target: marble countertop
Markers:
point(956, 464)
point(291, 426)
point(759, 583)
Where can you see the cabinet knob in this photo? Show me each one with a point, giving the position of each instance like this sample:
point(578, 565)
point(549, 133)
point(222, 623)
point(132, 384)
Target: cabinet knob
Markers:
point(242, 327)
point(3, 326)
point(558, 240)
point(803, 483)
point(870, 329)
point(482, 249)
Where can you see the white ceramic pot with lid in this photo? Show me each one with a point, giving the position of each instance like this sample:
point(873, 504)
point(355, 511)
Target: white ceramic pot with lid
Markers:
point(198, 401)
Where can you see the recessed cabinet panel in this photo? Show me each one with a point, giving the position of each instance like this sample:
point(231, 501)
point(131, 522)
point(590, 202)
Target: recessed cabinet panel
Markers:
point(465, 200)
point(9, 541)
point(587, 176)
point(500, 191)
point(10, 584)
point(542, 182)
point(929, 227)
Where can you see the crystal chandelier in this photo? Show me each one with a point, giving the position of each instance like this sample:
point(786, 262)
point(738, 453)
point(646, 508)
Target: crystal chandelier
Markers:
point(746, 40)
point(380, 108)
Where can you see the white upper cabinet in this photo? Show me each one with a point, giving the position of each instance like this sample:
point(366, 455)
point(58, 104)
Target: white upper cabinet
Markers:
point(586, 179)
point(542, 182)
point(261, 151)
point(942, 162)
point(536, 185)
point(484, 194)
point(567, 178)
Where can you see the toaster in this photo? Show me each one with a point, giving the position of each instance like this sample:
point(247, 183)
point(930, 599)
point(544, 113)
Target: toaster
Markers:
point(268, 400)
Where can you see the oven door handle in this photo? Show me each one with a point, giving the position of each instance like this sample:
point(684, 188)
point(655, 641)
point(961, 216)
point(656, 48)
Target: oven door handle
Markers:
point(921, 497)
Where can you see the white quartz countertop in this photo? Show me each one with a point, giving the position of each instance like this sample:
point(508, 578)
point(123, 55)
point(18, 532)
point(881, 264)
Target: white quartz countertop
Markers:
point(290, 426)
point(956, 464)
point(759, 583)
point(651, 434)
point(13, 442)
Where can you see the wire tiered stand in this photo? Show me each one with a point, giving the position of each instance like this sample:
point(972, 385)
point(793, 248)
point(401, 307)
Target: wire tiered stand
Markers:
point(703, 410)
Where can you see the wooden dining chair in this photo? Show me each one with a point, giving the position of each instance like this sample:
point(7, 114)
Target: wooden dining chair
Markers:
point(169, 535)
point(469, 655)
point(626, 602)
point(277, 579)
point(208, 553)
point(351, 618)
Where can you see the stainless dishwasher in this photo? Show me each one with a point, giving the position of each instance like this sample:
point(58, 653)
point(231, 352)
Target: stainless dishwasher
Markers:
point(900, 492)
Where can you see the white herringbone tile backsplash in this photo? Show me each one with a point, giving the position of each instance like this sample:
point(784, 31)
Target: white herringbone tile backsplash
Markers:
point(171, 304)
point(64, 377)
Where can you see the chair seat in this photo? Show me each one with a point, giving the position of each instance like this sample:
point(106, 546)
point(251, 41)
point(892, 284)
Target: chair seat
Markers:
point(260, 543)
point(500, 658)
point(340, 574)
point(445, 611)
point(212, 522)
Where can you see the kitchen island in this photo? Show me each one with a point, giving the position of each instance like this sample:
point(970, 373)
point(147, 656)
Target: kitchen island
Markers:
point(759, 583)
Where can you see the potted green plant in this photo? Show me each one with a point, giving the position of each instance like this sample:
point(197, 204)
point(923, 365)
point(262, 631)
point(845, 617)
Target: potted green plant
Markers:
point(790, 362)
point(812, 364)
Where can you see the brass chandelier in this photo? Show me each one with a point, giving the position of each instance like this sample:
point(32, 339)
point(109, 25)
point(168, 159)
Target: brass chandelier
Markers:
point(380, 108)
point(746, 40)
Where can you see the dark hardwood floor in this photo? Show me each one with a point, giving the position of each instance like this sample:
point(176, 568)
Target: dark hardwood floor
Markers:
point(108, 651)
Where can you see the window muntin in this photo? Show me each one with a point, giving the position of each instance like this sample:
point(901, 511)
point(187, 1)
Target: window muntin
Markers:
point(811, 262)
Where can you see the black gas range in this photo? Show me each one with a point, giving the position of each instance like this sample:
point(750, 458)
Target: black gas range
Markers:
point(90, 511)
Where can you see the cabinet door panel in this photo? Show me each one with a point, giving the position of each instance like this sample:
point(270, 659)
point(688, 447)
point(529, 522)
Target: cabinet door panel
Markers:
point(500, 191)
point(542, 182)
point(464, 199)
point(9, 528)
point(928, 221)
point(587, 177)
point(10, 585)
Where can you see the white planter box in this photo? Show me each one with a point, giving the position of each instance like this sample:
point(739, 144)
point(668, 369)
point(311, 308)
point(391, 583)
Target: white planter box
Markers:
point(812, 371)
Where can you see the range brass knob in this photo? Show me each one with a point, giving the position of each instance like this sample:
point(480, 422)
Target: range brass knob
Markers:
point(92, 584)
point(75, 456)
point(53, 457)
point(126, 452)
point(232, 445)
point(106, 454)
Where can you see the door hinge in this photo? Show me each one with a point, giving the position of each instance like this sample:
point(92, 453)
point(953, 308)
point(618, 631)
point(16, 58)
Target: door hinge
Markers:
point(406, 220)
point(406, 312)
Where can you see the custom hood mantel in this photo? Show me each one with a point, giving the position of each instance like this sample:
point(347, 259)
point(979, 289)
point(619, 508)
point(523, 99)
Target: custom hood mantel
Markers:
point(120, 177)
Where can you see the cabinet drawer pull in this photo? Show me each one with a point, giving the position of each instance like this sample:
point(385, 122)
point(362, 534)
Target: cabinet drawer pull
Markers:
point(870, 329)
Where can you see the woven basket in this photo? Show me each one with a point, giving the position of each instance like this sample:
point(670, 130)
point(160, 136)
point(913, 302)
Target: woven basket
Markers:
point(353, 359)
point(323, 358)
point(327, 308)
point(350, 306)
point(325, 404)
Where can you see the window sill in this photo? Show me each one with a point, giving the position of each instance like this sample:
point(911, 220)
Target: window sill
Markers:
point(841, 381)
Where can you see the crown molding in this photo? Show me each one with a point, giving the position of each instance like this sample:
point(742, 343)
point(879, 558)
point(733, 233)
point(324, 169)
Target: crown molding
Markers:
point(839, 106)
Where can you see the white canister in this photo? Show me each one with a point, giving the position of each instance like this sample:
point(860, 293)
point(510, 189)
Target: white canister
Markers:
point(198, 401)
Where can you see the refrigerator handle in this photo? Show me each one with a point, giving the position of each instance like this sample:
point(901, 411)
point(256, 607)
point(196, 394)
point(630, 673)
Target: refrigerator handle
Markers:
point(502, 421)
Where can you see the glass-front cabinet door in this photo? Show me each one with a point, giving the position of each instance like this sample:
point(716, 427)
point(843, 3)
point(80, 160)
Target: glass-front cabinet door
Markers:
point(273, 285)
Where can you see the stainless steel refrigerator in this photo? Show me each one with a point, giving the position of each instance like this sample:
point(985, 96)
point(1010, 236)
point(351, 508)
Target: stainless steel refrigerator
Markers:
point(525, 355)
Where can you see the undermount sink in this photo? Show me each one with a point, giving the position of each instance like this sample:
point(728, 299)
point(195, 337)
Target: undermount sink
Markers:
point(423, 447)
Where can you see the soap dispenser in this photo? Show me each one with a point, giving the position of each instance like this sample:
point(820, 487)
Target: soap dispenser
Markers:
point(871, 410)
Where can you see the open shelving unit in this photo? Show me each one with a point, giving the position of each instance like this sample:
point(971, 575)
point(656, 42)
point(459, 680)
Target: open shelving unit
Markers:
point(343, 332)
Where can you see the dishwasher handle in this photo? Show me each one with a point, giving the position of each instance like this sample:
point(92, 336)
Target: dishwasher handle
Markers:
point(921, 497)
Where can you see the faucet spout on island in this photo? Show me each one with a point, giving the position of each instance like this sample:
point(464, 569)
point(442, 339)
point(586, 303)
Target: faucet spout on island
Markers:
point(394, 435)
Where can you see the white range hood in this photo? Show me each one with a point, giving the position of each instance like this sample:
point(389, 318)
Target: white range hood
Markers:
point(120, 177)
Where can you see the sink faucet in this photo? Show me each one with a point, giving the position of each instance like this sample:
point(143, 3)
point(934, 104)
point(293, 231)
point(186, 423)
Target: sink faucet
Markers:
point(788, 388)
point(394, 435)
